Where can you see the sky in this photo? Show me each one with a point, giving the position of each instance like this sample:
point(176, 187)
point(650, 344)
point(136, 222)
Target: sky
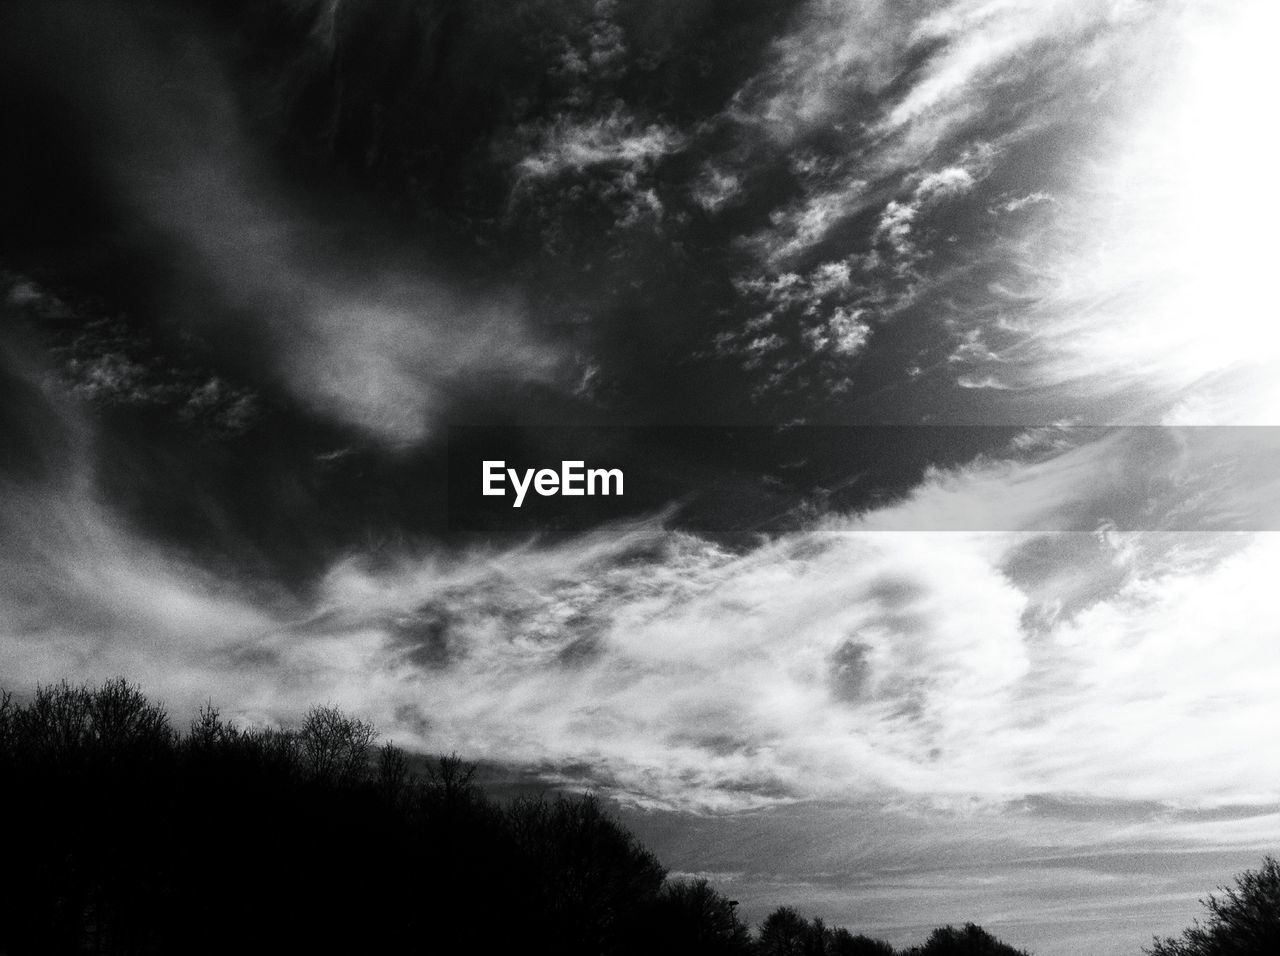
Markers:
point(937, 338)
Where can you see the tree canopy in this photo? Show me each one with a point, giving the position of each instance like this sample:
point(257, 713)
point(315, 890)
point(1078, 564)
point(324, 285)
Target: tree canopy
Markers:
point(130, 836)
point(1243, 921)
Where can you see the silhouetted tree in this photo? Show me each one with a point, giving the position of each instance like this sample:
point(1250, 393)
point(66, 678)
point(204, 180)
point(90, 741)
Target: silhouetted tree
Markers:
point(334, 746)
point(452, 780)
point(844, 943)
point(394, 777)
point(1243, 921)
point(124, 837)
point(121, 717)
point(786, 933)
point(207, 729)
point(969, 940)
point(690, 917)
point(6, 723)
point(588, 870)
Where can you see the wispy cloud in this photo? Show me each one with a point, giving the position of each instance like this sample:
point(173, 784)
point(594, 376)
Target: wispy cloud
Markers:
point(380, 339)
point(1141, 291)
point(899, 217)
point(107, 363)
point(870, 654)
point(807, 222)
point(919, 116)
point(567, 145)
point(611, 157)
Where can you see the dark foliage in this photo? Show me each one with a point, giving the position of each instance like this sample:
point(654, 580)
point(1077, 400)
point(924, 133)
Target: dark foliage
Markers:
point(786, 933)
point(688, 917)
point(1243, 921)
point(126, 836)
point(970, 940)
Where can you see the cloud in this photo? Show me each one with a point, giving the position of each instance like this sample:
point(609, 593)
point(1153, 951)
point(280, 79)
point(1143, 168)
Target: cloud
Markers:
point(566, 145)
point(832, 307)
point(905, 121)
point(368, 333)
point(816, 305)
point(879, 654)
point(845, 333)
point(982, 382)
point(900, 217)
point(806, 223)
point(390, 359)
point(106, 362)
point(715, 189)
point(949, 646)
point(916, 79)
point(1019, 203)
point(86, 596)
point(1140, 290)
point(577, 158)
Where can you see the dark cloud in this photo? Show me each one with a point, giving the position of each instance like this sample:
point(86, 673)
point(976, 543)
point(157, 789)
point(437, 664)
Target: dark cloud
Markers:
point(426, 638)
point(850, 671)
point(107, 361)
point(297, 215)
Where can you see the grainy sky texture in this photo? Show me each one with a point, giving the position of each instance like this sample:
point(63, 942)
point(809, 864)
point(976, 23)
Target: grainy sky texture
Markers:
point(257, 258)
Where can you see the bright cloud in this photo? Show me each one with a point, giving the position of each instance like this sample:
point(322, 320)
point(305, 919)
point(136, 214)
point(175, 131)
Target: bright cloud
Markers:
point(1151, 281)
point(616, 139)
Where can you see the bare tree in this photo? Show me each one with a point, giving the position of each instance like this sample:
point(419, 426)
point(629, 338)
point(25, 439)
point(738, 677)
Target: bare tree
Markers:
point(209, 730)
point(334, 746)
point(7, 721)
point(1243, 921)
point(121, 715)
point(393, 771)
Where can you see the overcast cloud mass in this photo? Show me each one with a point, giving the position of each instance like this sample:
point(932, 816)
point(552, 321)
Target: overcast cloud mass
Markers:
point(257, 258)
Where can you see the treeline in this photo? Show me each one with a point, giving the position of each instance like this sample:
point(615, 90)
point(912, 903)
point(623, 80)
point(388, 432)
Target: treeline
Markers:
point(786, 931)
point(1242, 920)
point(124, 835)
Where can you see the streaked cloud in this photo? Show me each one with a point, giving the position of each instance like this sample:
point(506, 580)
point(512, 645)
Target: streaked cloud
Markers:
point(1146, 284)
